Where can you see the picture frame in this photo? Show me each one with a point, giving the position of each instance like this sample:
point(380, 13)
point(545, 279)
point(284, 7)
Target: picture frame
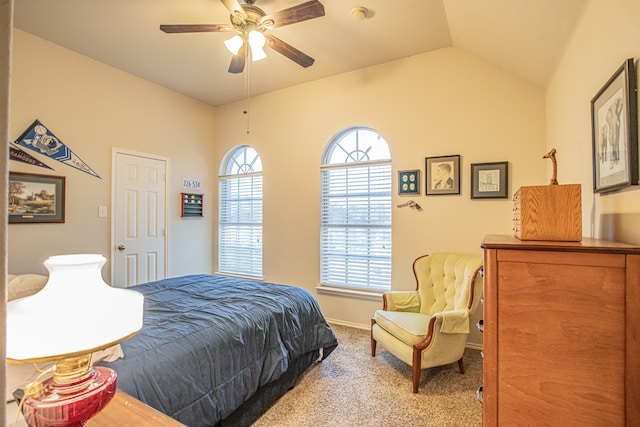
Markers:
point(408, 182)
point(490, 180)
point(36, 198)
point(442, 175)
point(614, 122)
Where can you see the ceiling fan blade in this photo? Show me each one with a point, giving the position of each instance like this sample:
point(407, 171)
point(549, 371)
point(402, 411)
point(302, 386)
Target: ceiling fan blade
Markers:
point(302, 12)
point(237, 62)
point(234, 7)
point(195, 28)
point(289, 51)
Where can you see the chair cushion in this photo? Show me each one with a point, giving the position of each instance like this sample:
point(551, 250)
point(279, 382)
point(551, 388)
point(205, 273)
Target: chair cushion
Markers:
point(410, 328)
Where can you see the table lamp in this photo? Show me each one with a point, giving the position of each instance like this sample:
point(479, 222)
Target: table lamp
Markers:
point(74, 315)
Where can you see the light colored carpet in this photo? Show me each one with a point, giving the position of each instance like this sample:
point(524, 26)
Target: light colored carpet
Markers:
point(351, 388)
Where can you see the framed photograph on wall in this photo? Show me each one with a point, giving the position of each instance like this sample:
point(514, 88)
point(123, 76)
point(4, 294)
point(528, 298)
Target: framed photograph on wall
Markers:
point(614, 121)
point(408, 182)
point(36, 198)
point(490, 180)
point(443, 175)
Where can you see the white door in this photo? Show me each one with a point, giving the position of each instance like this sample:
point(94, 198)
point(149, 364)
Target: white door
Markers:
point(139, 215)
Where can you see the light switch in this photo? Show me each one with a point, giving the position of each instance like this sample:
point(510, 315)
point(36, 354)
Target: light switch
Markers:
point(102, 211)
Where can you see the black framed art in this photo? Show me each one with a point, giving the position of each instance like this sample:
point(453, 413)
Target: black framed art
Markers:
point(443, 175)
point(408, 182)
point(490, 180)
point(36, 198)
point(614, 121)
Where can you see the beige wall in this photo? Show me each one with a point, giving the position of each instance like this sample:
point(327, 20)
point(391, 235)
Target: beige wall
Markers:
point(607, 35)
point(94, 108)
point(440, 103)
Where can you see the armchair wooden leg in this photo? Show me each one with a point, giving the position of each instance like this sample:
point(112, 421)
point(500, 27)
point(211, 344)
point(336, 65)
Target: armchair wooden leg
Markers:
point(461, 366)
point(415, 369)
point(373, 342)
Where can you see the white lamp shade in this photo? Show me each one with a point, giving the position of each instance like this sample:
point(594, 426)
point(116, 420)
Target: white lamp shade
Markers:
point(256, 39)
point(257, 42)
point(257, 53)
point(234, 44)
point(75, 313)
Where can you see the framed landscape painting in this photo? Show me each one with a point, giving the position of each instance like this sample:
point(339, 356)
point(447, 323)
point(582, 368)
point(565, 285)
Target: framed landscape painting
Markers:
point(35, 198)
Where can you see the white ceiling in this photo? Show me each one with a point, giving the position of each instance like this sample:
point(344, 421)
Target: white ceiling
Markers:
point(524, 37)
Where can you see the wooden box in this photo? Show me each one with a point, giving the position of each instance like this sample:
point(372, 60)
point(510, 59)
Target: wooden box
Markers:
point(548, 212)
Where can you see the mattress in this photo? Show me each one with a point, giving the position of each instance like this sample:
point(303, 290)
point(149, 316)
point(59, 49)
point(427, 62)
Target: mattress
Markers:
point(211, 343)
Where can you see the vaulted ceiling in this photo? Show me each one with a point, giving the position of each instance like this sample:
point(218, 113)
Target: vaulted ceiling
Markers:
point(523, 37)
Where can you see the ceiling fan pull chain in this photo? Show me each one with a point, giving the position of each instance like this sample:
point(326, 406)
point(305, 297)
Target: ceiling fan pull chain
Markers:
point(247, 86)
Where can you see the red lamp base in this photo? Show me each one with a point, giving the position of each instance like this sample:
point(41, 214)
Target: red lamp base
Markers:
point(70, 404)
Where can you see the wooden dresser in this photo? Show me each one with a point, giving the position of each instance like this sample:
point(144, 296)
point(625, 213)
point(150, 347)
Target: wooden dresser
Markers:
point(561, 333)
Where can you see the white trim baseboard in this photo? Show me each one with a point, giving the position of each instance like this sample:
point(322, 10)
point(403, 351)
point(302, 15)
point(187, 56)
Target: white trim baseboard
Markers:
point(349, 324)
point(471, 345)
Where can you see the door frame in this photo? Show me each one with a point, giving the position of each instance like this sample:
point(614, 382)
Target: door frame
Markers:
point(114, 152)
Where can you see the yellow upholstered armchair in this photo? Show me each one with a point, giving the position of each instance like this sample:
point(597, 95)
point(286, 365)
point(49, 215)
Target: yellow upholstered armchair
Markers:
point(429, 326)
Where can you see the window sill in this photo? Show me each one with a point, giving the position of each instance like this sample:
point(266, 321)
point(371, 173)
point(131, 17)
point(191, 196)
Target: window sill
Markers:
point(348, 292)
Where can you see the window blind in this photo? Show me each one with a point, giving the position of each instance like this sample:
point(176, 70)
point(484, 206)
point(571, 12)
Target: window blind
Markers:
point(356, 226)
point(240, 226)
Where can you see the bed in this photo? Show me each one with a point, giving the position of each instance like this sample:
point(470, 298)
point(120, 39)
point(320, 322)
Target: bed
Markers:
point(218, 351)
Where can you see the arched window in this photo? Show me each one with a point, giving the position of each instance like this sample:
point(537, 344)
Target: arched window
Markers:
point(240, 213)
point(356, 211)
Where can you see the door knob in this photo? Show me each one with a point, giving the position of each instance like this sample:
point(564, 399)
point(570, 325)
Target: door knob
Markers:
point(121, 247)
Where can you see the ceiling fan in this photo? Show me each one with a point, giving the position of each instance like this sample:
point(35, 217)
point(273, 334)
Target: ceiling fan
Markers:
point(252, 22)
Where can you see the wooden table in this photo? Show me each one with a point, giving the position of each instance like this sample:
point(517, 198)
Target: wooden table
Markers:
point(125, 411)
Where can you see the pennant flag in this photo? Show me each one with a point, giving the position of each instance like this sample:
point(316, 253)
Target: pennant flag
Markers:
point(22, 156)
point(41, 140)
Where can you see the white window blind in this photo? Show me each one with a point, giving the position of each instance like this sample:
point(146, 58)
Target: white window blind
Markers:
point(356, 219)
point(240, 216)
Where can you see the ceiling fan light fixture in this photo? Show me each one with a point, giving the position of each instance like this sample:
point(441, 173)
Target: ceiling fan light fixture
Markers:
point(257, 53)
point(234, 44)
point(257, 42)
point(256, 39)
point(250, 22)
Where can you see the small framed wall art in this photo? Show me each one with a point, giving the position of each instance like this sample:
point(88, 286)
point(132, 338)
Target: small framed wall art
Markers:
point(35, 198)
point(191, 205)
point(614, 121)
point(443, 175)
point(490, 180)
point(408, 182)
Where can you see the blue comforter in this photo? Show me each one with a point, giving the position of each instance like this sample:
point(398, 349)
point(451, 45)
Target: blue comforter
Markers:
point(210, 342)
